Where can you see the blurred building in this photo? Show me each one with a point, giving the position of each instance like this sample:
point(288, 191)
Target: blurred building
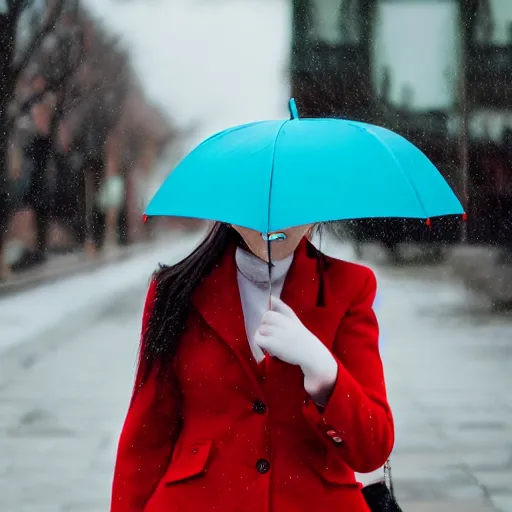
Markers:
point(439, 72)
point(135, 146)
point(102, 135)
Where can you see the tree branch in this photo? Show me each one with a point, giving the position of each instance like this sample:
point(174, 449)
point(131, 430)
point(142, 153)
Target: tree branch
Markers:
point(14, 8)
point(25, 106)
point(39, 37)
point(62, 84)
point(53, 86)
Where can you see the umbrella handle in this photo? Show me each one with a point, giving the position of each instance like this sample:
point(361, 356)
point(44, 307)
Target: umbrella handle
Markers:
point(264, 363)
point(269, 263)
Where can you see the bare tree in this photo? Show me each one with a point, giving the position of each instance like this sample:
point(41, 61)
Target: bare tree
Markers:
point(53, 54)
point(98, 98)
point(13, 21)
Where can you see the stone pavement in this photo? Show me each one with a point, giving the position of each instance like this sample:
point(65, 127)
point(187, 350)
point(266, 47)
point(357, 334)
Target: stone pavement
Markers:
point(448, 375)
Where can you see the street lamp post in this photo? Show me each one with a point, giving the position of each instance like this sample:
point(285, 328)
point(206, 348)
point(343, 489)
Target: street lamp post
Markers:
point(464, 113)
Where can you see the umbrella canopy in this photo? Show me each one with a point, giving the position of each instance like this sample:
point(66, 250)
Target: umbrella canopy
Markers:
point(273, 175)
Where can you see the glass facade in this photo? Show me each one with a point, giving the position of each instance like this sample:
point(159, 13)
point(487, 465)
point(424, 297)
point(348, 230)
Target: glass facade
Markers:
point(489, 53)
point(337, 22)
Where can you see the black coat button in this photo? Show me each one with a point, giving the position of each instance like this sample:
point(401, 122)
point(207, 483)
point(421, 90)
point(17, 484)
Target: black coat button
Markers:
point(259, 407)
point(262, 466)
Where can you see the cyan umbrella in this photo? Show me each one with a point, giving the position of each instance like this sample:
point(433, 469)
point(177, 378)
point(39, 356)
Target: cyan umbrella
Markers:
point(272, 175)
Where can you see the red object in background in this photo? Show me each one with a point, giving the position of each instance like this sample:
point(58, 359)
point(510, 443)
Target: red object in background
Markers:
point(242, 435)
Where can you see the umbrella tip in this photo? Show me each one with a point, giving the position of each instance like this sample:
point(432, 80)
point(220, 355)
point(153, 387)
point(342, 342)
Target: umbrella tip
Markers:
point(144, 218)
point(292, 106)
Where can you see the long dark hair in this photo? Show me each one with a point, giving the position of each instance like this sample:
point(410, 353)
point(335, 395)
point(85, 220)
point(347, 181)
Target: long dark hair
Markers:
point(175, 286)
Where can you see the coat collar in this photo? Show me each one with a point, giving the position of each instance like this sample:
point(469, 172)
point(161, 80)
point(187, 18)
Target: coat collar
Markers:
point(217, 299)
point(304, 291)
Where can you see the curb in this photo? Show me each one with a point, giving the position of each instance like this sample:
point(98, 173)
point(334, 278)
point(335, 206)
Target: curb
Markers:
point(45, 275)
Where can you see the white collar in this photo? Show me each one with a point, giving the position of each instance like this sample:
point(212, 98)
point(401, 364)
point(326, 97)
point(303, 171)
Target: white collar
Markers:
point(256, 270)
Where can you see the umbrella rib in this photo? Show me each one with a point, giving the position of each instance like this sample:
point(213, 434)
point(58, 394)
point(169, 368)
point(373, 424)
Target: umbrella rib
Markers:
point(268, 215)
point(272, 172)
point(418, 198)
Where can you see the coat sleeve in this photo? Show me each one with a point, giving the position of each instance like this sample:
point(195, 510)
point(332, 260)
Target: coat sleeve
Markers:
point(147, 437)
point(357, 419)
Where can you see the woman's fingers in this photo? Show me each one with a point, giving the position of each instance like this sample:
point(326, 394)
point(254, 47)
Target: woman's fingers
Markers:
point(278, 306)
point(263, 341)
point(265, 329)
point(272, 329)
point(272, 318)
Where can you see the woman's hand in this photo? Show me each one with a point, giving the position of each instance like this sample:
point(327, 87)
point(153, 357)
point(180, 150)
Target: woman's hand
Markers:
point(283, 335)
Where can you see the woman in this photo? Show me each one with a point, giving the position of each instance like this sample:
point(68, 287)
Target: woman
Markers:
point(215, 424)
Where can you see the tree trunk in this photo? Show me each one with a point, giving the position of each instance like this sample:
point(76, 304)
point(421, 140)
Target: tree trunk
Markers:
point(91, 249)
point(4, 192)
point(7, 82)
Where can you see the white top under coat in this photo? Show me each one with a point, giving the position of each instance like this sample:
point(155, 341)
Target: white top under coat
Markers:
point(253, 284)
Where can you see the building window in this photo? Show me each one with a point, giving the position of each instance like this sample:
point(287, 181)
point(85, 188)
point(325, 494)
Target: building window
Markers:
point(337, 21)
point(489, 22)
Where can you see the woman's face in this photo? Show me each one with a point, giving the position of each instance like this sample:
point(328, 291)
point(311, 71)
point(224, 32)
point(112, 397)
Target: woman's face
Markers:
point(285, 243)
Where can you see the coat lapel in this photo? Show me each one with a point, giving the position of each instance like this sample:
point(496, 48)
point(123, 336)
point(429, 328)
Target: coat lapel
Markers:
point(302, 292)
point(217, 300)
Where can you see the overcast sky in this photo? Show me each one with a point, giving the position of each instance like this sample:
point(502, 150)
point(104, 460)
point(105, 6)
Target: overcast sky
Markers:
point(212, 62)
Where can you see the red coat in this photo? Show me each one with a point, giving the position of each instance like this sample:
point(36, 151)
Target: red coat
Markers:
point(250, 442)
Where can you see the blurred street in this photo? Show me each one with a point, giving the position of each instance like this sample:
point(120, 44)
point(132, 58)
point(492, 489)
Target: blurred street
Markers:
point(66, 370)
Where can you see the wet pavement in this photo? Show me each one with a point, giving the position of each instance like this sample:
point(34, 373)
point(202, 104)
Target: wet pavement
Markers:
point(64, 391)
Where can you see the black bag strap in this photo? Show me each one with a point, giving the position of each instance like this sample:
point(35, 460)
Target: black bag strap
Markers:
point(388, 479)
